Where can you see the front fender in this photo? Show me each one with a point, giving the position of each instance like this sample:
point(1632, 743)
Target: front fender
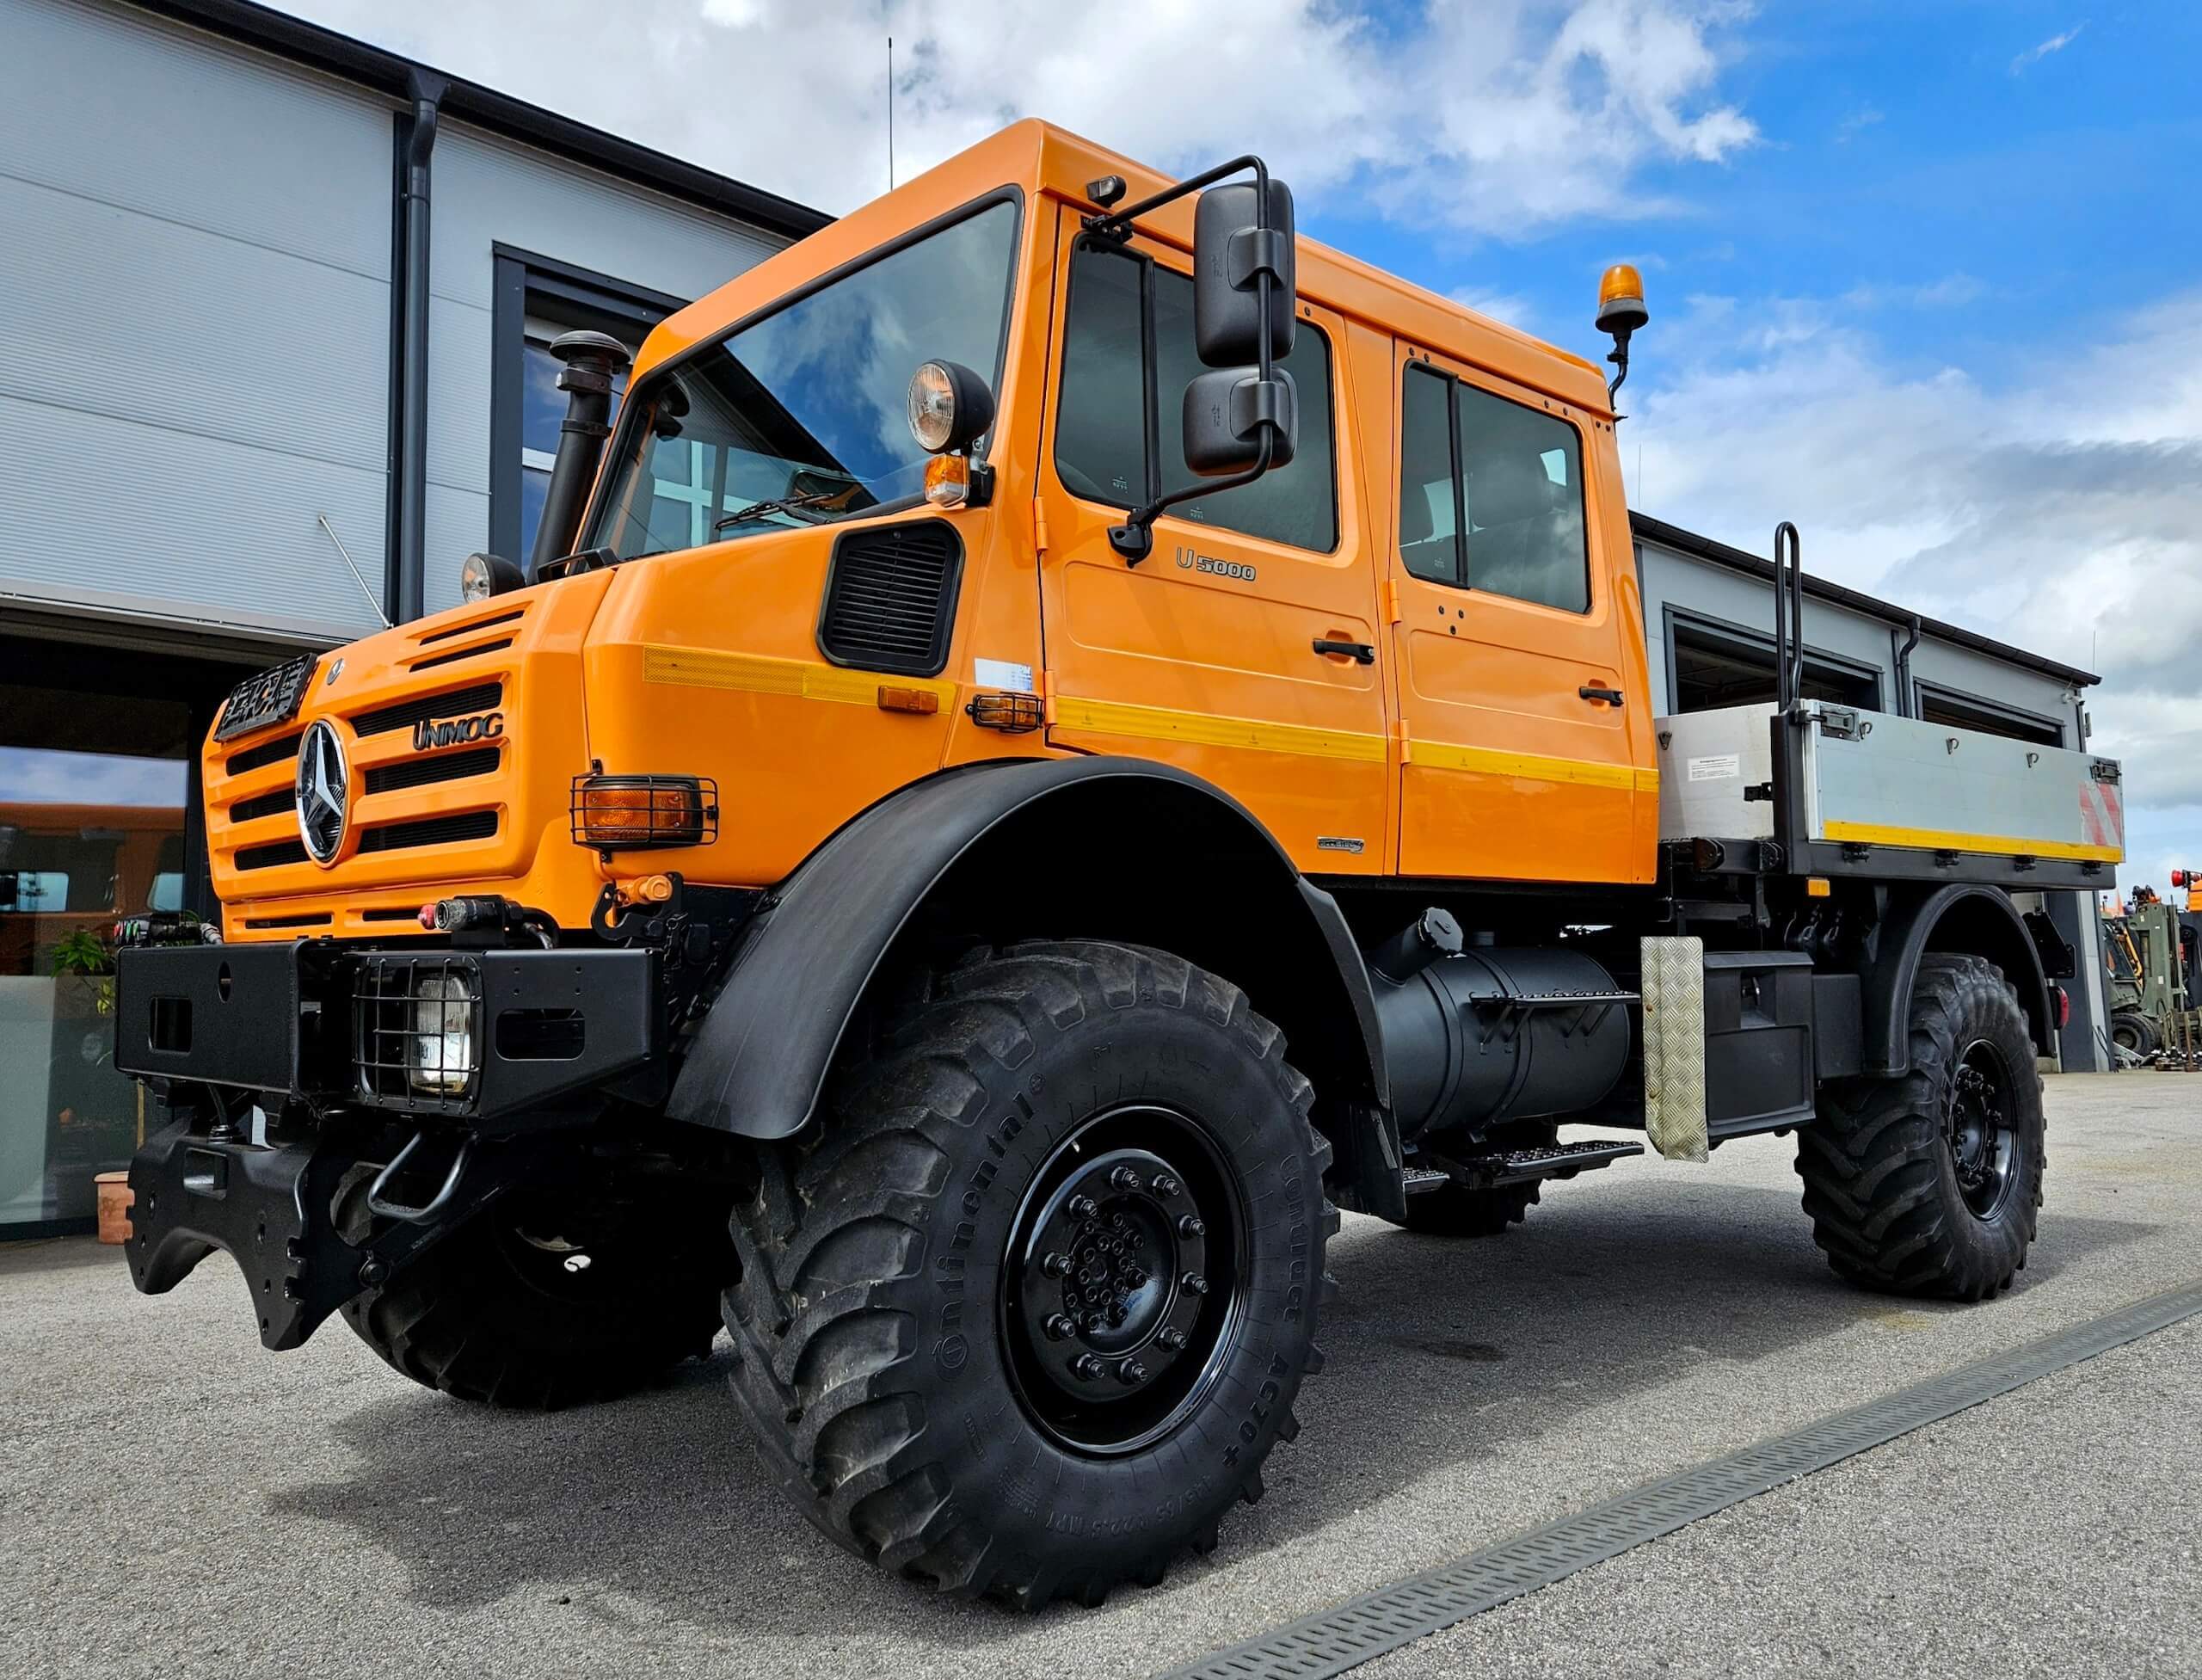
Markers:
point(759, 1062)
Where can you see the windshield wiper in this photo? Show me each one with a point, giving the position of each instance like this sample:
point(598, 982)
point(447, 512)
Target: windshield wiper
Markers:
point(781, 504)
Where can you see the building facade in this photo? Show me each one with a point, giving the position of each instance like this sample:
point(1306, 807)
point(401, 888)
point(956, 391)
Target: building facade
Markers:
point(273, 361)
point(272, 364)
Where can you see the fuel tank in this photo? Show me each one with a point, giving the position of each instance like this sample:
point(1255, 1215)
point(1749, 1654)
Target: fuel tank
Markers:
point(1477, 1036)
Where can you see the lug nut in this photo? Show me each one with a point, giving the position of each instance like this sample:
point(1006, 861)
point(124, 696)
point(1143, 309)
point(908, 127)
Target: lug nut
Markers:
point(1131, 1371)
point(1123, 1179)
point(1194, 1283)
point(1086, 1367)
point(1056, 1265)
point(1083, 1207)
point(1191, 1226)
point(1060, 1325)
point(1095, 1322)
point(1166, 1185)
point(1170, 1337)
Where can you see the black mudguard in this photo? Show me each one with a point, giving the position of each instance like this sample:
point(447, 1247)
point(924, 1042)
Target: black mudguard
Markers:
point(758, 1064)
point(1974, 920)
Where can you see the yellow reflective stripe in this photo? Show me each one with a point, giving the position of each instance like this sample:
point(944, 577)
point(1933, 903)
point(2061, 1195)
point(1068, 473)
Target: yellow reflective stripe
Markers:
point(1939, 839)
point(797, 678)
point(1532, 766)
point(1202, 729)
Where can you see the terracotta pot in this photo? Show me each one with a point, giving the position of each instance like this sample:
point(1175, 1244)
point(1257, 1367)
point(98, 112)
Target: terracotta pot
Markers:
point(115, 1197)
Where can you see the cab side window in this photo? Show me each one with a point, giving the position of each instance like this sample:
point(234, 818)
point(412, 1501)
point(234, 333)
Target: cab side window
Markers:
point(1491, 494)
point(1128, 356)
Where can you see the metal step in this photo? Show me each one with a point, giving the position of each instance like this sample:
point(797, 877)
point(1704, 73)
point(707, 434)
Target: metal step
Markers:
point(1561, 1160)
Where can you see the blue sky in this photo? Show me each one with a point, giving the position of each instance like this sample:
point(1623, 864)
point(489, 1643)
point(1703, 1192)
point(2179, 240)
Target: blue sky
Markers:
point(1923, 276)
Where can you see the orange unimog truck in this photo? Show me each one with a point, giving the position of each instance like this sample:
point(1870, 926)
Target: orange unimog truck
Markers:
point(1058, 736)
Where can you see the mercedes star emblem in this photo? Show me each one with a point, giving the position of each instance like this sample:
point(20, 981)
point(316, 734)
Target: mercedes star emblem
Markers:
point(323, 795)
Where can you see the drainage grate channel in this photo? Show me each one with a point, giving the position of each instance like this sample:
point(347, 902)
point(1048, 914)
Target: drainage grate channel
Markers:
point(1332, 1642)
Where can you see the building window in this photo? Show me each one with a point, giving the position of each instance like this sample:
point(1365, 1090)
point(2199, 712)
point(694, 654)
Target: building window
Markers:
point(537, 299)
point(1714, 665)
point(1490, 495)
point(1117, 394)
point(1938, 705)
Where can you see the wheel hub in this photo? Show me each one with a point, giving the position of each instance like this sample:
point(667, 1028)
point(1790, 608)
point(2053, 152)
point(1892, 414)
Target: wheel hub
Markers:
point(1111, 1270)
point(1982, 1141)
point(1122, 1279)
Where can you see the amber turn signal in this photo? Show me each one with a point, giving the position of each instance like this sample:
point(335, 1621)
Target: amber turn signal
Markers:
point(626, 813)
point(948, 480)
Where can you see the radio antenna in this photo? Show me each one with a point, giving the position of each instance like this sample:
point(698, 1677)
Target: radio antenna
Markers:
point(890, 114)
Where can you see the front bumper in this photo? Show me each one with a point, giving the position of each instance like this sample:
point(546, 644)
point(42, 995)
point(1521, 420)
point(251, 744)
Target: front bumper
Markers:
point(341, 1026)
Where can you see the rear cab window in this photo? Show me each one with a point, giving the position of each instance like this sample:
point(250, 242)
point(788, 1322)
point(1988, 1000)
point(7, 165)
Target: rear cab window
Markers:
point(1491, 494)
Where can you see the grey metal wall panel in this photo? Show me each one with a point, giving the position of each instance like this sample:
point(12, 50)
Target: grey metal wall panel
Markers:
point(1697, 587)
point(489, 192)
point(193, 356)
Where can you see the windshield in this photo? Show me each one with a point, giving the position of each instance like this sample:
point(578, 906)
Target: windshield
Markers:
point(802, 416)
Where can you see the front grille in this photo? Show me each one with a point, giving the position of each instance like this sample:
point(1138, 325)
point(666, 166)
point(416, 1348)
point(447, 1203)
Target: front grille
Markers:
point(429, 831)
point(266, 804)
point(891, 598)
point(456, 654)
point(269, 857)
point(419, 773)
point(268, 752)
point(456, 703)
point(410, 1049)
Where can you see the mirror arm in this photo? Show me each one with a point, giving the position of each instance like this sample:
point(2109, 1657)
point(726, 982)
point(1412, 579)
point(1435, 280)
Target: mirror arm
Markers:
point(1135, 538)
point(1117, 224)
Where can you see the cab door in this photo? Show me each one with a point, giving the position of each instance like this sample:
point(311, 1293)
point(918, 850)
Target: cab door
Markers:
point(1245, 649)
point(1520, 658)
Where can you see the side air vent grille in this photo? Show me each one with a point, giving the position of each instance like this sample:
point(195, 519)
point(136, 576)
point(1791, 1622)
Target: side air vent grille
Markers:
point(458, 703)
point(266, 804)
point(891, 598)
point(456, 654)
point(469, 627)
point(419, 773)
point(268, 752)
point(268, 857)
point(430, 831)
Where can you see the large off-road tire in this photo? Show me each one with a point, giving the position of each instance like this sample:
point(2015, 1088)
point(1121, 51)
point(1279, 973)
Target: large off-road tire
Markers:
point(2134, 1032)
point(494, 1313)
point(1051, 1129)
point(1930, 1184)
point(1453, 1210)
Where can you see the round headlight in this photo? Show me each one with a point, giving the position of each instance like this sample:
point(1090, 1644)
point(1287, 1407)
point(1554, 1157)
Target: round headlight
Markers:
point(481, 575)
point(950, 407)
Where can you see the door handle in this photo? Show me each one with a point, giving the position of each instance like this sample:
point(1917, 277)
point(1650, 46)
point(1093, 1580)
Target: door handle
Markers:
point(1592, 692)
point(1360, 652)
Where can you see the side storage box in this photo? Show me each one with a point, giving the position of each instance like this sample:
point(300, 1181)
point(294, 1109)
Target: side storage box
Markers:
point(1758, 1041)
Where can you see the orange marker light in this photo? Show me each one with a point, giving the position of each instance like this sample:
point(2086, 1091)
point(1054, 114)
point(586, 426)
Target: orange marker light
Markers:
point(1816, 886)
point(948, 480)
point(1621, 299)
point(923, 701)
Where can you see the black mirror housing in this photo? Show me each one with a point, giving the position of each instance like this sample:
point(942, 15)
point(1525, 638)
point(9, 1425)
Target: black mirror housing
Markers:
point(1227, 410)
point(1231, 248)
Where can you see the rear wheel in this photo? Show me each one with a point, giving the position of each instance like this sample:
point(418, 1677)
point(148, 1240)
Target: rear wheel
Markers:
point(1026, 1313)
point(2134, 1032)
point(1929, 1183)
point(547, 1299)
point(1453, 1210)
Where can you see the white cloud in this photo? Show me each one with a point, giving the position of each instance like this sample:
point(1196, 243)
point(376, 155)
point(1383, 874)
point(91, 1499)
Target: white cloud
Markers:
point(2035, 54)
point(1499, 116)
point(2063, 515)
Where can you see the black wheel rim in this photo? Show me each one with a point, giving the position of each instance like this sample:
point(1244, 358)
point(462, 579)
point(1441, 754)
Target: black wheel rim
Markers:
point(1982, 1129)
point(1124, 1280)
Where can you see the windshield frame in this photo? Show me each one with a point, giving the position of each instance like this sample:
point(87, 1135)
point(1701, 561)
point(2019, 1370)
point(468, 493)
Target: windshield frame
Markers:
point(622, 436)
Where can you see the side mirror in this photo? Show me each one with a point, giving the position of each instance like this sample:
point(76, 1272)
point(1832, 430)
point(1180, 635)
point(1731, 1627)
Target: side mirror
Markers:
point(1233, 245)
point(1227, 410)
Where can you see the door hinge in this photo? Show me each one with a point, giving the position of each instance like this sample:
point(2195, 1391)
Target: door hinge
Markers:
point(1406, 744)
point(1039, 528)
point(1392, 613)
